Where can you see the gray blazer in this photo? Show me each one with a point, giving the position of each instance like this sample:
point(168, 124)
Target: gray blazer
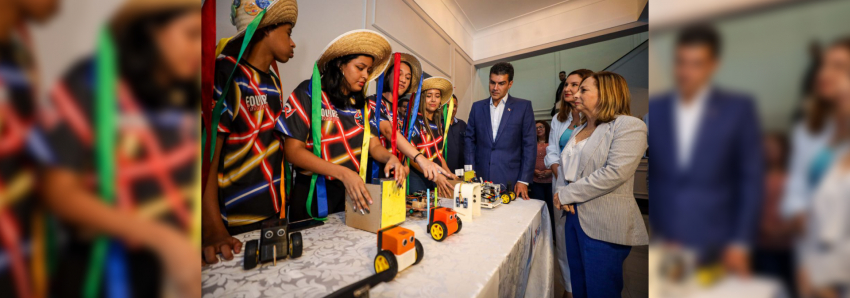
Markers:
point(604, 192)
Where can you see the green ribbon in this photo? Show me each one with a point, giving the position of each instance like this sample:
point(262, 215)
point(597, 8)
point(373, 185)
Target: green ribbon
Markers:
point(216, 113)
point(105, 108)
point(316, 126)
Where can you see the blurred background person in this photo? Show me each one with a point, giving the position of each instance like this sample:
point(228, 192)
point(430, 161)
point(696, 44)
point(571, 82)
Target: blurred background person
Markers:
point(541, 186)
point(402, 107)
point(825, 248)
point(559, 92)
point(20, 213)
point(156, 95)
point(773, 255)
point(817, 137)
point(707, 172)
point(457, 130)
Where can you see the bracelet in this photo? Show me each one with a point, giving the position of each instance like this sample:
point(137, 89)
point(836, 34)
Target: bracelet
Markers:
point(414, 157)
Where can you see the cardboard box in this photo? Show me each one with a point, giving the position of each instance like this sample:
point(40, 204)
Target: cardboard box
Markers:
point(387, 209)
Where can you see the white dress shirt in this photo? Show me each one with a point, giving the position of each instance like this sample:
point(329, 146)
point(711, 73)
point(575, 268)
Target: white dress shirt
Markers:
point(496, 114)
point(688, 118)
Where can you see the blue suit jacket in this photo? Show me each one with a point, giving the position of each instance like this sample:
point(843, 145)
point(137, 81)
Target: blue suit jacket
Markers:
point(716, 200)
point(510, 158)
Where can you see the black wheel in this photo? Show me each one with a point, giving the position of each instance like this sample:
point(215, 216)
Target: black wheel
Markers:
point(296, 245)
point(385, 262)
point(251, 257)
point(459, 225)
point(420, 252)
point(438, 231)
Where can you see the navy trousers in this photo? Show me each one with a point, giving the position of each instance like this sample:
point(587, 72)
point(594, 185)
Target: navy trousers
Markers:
point(596, 267)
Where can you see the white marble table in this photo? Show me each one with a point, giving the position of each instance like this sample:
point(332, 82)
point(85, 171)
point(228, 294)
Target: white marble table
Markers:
point(506, 252)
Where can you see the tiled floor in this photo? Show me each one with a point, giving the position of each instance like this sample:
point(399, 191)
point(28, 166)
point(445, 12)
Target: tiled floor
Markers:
point(635, 276)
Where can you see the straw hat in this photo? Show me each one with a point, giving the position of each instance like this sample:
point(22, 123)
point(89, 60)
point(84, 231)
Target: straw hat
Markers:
point(242, 12)
point(360, 41)
point(443, 84)
point(131, 10)
point(415, 70)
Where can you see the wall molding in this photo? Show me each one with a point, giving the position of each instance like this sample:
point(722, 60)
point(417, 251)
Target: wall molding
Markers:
point(431, 24)
point(567, 43)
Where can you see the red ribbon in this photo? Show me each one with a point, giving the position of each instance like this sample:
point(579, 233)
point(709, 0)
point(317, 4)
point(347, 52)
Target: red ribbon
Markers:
point(396, 62)
point(207, 77)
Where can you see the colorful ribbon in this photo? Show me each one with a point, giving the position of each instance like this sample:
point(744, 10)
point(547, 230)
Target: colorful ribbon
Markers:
point(411, 119)
point(216, 113)
point(446, 129)
point(378, 103)
point(207, 85)
point(367, 136)
point(105, 110)
point(316, 126)
point(396, 70)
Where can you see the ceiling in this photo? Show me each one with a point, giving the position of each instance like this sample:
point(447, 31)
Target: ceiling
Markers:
point(485, 13)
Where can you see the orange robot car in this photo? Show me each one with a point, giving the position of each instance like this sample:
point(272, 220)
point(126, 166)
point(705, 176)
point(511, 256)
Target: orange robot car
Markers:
point(397, 250)
point(443, 222)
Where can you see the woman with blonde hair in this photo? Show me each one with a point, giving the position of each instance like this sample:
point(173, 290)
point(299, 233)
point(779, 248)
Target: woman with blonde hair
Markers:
point(598, 166)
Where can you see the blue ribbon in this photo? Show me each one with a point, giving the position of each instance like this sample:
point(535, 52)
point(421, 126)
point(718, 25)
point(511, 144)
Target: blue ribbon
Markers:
point(415, 109)
point(117, 285)
point(378, 101)
point(322, 193)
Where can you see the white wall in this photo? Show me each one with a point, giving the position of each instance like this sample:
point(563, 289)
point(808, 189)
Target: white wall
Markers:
point(764, 54)
point(634, 67)
point(536, 78)
point(68, 37)
point(406, 25)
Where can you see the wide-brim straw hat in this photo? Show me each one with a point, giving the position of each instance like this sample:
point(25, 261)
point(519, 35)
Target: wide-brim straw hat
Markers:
point(442, 84)
point(277, 12)
point(132, 10)
point(415, 70)
point(359, 41)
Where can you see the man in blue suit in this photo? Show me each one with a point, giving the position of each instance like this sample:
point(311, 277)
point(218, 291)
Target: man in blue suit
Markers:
point(706, 159)
point(500, 137)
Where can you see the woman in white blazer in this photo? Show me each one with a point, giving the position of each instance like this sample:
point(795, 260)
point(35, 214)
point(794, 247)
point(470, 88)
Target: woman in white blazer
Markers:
point(599, 164)
point(563, 125)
